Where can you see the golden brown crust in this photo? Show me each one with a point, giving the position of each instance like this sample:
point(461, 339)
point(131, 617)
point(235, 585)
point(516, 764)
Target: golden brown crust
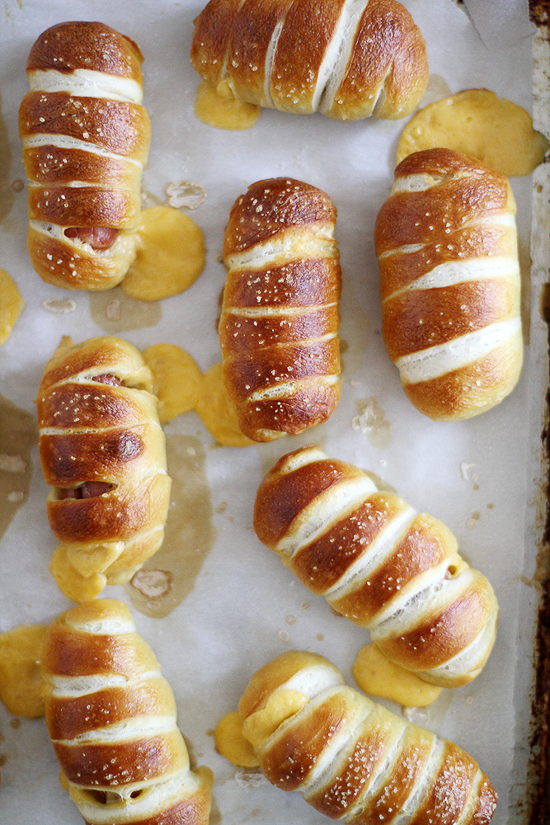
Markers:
point(327, 558)
point(103, 207)
point(248, 46)
point(379, 564)
point(315, 361)
point(90, 764)
point(415, 748)
point(458, 770)
point(120, 515)
point(450, 630)
point(389, 53)
point(422, 547)
point(298, 57)
point(350, 780)
point(462, 195)
point(113, 125)
point(271, 209)
point(290, 759)
point(82, 45)
point(210, 40)
point(449, 283)
point(111, 717)
point(268, 419)
point(402, 268)
point(70, 653)
point(72, 456)
point(352, 759)
point(452, 397)
point(293, 81)
point(69, 266)
point(85, 142)
point(49, 164)
point(71, 717)
point(280, 315)
point(93, 358)
point(287, 286)
point(283, 495)
point(103, 406)
point(419, 321)
point(93, 432)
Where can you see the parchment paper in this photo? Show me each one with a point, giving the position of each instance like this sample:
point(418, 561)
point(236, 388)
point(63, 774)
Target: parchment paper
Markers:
point(482, 477)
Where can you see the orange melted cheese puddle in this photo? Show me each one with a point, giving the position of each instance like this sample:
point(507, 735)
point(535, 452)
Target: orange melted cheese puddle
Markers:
point(11, 305)
point(219, 108)
point(177, 380)
point(180, 387)
point(170, 255)
point(217, 412)
point(231, 743)
point(377, 676)
point(477, 123)
point(20, 677)
point(238, 740)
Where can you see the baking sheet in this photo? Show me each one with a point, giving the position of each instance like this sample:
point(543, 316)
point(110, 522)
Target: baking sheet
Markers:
point(484, 478)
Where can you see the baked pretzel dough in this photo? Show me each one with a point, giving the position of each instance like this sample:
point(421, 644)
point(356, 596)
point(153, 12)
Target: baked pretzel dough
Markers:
point(111, 717)
point(85, 140)
point(103, 451)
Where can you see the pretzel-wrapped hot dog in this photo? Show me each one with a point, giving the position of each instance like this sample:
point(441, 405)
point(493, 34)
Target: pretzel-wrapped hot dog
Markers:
point(85, 143)
point(348, 59)
point(103, 451)
point(280, 315)
point(352, 759)
point(380, 564)
point(446, 242)
point(111, 716)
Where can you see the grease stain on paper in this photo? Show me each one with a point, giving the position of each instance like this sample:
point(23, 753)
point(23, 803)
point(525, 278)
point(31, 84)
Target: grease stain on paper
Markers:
point(168, 577)
point(18, 435)
point(7, 195)
point(115, 312)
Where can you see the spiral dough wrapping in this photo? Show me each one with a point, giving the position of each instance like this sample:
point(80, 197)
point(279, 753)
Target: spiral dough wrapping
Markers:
point(352, 759)
point(103, 451)
point(280, 316)
point(380, 564)
point(111, 717)
point(348, 59)
point(446, 242)
point(85, 140)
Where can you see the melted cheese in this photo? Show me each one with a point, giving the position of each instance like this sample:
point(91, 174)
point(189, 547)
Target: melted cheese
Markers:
point(169, 258)
point(238, 740)
point(11, 305)
point(231, 743)
point(94, 559)
point(281, 705)
point(218, 108)
point(217, 412)
point(177, 379)
point(74, 585)
point(180, 387)
point(20, 677)
point(377, 676)
point(477, 123)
